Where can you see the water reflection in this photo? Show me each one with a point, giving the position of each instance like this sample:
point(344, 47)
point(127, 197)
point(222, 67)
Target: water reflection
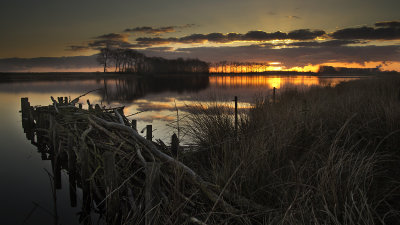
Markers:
point(130, 89)
point(276, 81)
point(60, 148)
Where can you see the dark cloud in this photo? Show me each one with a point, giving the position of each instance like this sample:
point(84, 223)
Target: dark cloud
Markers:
point(388, 24)
point(331, 43)
point(112, 36)
point(155, 41)
point(158, 30)
point(151, 30)
point(303, 34)
point(383, 31)
point(114, 40)
point(193, 38)
point(263, 36)
point(111, 43)
point(98, 44)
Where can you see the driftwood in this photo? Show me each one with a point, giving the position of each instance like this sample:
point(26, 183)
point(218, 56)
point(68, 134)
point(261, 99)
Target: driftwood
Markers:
point(127, 177)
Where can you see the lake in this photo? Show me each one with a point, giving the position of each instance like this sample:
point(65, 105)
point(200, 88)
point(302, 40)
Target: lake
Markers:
point(26, 190)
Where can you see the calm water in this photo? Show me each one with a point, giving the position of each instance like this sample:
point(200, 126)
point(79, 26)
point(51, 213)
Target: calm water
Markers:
point(26, 188)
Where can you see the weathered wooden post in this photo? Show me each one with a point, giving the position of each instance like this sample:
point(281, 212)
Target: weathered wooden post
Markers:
point(60, 100)
point(110, 180)
point(56, 164)
point(66, 100)
point(90, 106)
point(149, 132)
point(152, 190)
point(25, 107)
point(174, 145)
point(80, 105)
point(134, 124)
point(97, 108)
point(72, 171)
point(274, 95)
point(86, 195)
point(236, 117)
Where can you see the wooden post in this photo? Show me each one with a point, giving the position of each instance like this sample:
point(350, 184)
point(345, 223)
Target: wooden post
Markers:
point(152, 190)
point(25, 107)
point(66, 100)
point(56, 165)
point(174, 145)
point(60, 100)
point(90, 107)
point(80, 105)
point(112, 206)
point(134, 124)
point(72, 172)
point(149, 132)
point(236, 117)
point(97, 107)
point(274, 95)
point(86, 195)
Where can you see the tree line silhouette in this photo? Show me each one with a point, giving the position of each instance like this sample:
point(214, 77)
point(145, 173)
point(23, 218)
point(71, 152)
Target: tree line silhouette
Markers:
point(131, 61)
point(238, 67)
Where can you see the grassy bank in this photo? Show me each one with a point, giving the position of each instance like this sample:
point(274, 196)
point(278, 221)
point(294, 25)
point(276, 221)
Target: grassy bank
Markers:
point(324, 156)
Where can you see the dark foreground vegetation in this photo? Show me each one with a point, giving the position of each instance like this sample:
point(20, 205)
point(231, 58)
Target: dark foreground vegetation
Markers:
point(325, 156)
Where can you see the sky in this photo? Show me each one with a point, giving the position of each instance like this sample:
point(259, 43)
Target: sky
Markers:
point(48, 35)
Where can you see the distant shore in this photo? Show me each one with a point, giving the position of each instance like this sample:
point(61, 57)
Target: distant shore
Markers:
point(27, 76)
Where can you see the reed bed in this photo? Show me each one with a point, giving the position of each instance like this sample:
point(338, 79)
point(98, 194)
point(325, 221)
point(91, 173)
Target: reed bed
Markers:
point(328, 155)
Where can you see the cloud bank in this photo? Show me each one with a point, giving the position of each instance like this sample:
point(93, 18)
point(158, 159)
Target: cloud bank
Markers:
point(299, 47)
point(158, 30)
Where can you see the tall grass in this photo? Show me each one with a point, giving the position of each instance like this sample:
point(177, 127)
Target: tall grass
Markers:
point(329, 155)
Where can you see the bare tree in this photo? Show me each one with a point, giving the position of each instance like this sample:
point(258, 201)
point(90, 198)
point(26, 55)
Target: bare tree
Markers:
point(104, 56)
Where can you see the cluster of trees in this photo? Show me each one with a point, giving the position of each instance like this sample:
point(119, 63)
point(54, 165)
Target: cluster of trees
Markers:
point(345, 70)
point(131, 61)
point(238, 67)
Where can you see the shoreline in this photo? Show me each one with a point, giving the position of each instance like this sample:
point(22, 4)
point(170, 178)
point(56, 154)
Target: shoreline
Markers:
point(50, 76)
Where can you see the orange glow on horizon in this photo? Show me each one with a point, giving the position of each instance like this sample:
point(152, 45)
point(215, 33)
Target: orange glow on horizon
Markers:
point(384, 66)
point(259, 68)
point(278, 66)
point(273, 81)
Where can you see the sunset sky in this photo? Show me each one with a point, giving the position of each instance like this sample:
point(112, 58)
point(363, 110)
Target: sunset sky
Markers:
point(44, 35)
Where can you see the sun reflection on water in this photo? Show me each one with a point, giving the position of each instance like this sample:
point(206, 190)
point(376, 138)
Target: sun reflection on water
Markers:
point(274, 81)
